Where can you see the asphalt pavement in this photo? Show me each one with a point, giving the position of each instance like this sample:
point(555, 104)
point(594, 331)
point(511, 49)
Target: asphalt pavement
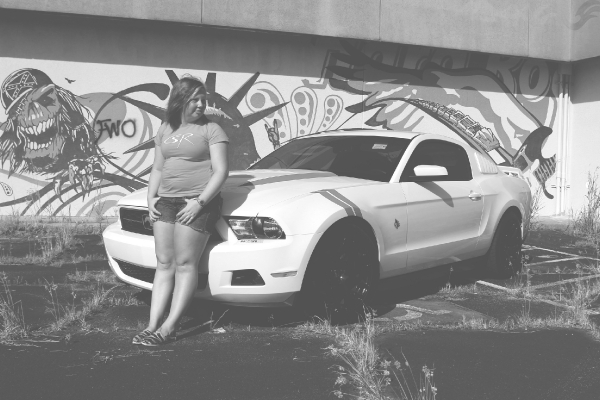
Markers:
point(267, 354)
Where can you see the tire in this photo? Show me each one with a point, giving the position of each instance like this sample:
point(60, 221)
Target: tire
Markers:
point(504, 257)
point(341, 274)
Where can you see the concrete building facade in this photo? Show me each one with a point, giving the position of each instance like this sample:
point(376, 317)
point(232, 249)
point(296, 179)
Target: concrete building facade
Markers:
point(85, 85)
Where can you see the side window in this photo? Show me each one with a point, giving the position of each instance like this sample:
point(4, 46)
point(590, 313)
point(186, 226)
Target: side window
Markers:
point(438, 152)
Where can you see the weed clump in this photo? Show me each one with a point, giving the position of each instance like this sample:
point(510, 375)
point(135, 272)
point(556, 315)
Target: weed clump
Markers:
point(92, 276)
point(586, 222)
point(534, 210)
point(366, 371)
point(64, 315)
point(52, 240)
point(12, 321)
point(18, 226)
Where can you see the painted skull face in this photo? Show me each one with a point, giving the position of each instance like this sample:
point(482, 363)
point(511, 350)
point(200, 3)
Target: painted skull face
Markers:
point(37, 122)
point(47, 131)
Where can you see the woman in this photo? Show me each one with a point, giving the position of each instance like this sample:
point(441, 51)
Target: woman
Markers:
point(190, 167)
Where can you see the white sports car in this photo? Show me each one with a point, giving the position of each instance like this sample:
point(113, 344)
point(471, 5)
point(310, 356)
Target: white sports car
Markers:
point(325, 216)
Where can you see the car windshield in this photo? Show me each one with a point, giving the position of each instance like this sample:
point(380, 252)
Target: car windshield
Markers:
point(365, 157)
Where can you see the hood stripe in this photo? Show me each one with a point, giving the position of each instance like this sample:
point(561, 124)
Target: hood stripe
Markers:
point(284, 178)
point(355, 208)
point(329, 197)
point(342, 201)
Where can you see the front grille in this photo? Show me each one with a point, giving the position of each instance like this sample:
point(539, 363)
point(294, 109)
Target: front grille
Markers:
point(147, 274)
point(136, 221)
point(137, 272)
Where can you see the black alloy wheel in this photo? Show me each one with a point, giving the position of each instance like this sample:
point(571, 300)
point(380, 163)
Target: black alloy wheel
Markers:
point(504, 257)
point(341, 274)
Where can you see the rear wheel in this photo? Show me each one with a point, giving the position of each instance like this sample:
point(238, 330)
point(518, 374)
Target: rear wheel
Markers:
point(504, 257)
point(341, 273)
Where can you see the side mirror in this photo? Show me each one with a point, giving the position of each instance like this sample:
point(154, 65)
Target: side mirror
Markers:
point(424, 173)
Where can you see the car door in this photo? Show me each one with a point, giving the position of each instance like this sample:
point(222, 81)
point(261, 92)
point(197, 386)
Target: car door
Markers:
point(443, 213)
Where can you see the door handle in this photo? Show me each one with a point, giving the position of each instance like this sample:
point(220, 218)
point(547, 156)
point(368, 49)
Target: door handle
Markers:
point(475, 196)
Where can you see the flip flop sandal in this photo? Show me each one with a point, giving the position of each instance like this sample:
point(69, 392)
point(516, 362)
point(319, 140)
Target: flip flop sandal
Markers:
point(157, 339)
point(137, 339)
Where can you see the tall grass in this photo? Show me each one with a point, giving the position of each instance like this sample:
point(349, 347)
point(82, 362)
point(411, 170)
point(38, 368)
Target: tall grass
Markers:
point(534, 209)
point(104, 276)
point(12, 321)
point(586, 222)
point(51, 236)
point(366, 372)
point(65, 315)
point(15, 225)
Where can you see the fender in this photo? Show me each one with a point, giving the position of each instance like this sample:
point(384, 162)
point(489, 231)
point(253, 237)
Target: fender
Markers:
point(317, 214)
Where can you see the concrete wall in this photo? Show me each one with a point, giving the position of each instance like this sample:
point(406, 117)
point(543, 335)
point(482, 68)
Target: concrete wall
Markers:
point(585, 128)
point(586, 29)
point(531, 28)
point(265, 88)
point(534, 28)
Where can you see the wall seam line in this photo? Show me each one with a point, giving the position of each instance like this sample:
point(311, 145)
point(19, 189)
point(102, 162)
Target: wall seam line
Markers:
point(529, 29)
point(379, 33)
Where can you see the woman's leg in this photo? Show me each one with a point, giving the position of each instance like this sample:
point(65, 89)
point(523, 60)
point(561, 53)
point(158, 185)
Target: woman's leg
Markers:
point(165, 272)
point(189, 246)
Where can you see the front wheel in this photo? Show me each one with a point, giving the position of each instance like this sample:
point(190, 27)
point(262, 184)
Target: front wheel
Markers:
point(504, 257)
point(341, 273)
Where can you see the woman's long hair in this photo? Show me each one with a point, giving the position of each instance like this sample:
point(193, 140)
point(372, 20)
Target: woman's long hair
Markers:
point(181, 93)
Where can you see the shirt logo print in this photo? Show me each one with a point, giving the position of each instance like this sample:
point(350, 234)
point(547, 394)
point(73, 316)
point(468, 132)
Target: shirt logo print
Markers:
point(180, 137)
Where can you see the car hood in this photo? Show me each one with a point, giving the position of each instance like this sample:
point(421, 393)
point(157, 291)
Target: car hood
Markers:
point(246, 193)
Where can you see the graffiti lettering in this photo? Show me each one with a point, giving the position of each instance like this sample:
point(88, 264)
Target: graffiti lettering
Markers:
point(127, 128)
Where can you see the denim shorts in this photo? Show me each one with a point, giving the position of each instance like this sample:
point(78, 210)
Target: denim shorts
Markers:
point(205, 221)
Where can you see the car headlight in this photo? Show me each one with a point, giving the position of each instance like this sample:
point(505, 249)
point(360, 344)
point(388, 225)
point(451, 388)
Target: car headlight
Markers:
point(255, 228)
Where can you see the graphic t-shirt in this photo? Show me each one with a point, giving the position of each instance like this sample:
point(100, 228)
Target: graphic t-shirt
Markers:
point(187, 168)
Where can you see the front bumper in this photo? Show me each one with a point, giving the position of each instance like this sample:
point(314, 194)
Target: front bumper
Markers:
point(219, 261)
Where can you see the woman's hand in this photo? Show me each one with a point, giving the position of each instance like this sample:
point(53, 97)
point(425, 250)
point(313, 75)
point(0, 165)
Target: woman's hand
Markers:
point(154, 214)
point(189, 212)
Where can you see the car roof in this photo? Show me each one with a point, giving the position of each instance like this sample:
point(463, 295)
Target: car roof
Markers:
point(366, 132)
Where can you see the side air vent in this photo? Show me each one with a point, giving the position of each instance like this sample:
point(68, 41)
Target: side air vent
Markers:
point(137, 272)
point(147, 274)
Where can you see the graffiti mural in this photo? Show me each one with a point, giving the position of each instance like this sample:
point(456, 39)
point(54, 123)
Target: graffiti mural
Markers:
point(503, 105)
point(79, 150)
point(48, 131)
point(586, 11)
point(223, 111)
point(49, 134)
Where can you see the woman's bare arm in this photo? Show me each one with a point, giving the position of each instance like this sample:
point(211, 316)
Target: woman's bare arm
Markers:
point(154, 181)
point(220, 167)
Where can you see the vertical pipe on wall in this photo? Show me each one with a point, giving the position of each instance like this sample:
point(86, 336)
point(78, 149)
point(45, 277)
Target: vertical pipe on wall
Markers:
point(559, 144)
point(566, 140)
point(562, 131)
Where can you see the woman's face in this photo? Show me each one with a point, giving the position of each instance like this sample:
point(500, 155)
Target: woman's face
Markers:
point(195, 107)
